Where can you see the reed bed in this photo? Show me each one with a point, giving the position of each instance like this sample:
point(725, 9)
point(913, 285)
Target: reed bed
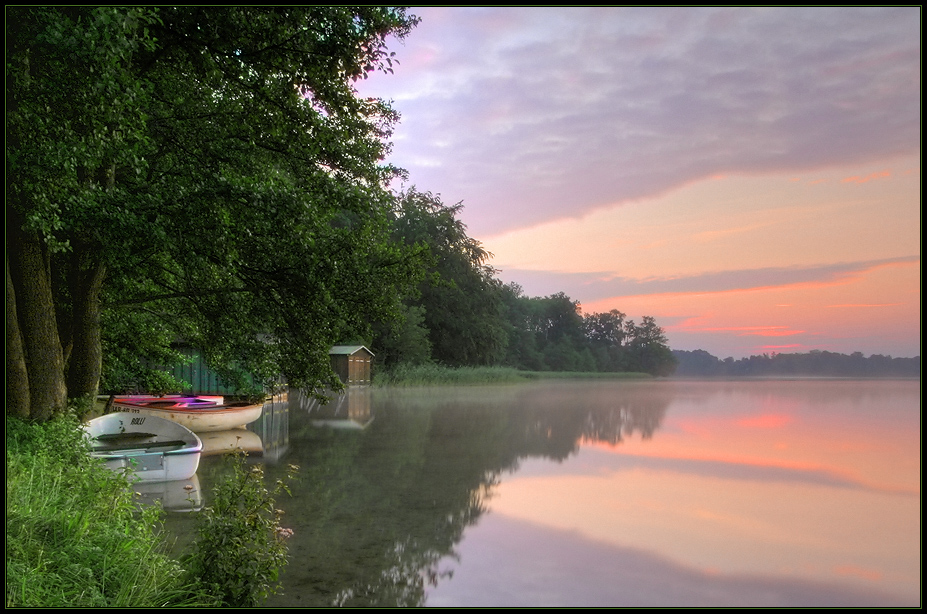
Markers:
point(437, 375)
point(584, 375)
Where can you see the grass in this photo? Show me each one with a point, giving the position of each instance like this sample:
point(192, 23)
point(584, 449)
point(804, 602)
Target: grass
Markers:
point(436, 375)
point(585, 375)
point(429, 375)
point(74, 536)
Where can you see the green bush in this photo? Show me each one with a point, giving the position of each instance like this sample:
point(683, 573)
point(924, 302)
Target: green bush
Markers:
point(240, 546)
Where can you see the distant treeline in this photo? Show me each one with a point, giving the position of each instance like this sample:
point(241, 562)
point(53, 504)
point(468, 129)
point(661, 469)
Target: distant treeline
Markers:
point(813, 363)
point(462, 315)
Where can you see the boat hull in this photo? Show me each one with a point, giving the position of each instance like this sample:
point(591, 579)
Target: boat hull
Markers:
point(152, 449)
point(175, 496)
point(199, 414)
point(216, 443)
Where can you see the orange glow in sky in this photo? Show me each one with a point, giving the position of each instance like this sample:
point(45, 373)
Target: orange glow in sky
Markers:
point(739, 250)
point(837, 316)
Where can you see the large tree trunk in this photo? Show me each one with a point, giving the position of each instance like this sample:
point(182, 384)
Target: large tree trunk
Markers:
point(85, 363)
point(17, 377)
point(35, 313)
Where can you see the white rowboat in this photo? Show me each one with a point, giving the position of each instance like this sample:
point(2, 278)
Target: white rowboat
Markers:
point(153, 449)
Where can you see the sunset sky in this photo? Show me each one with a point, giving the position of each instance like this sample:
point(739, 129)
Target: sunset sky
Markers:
point(748, 176)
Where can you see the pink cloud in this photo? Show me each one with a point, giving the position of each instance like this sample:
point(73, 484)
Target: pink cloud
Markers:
point(867, 305)
point(744, 331)
point(868, 178)
point(766, 421)
point(774, 333)
point(859, 572)
point(791, 346)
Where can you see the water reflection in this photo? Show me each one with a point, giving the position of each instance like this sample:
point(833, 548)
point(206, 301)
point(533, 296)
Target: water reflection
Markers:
point(216, 443)
point(175, 496)
point(562, 568)
point(380, 510)
point(349, 409)
point(570, 493)
point(273, 427)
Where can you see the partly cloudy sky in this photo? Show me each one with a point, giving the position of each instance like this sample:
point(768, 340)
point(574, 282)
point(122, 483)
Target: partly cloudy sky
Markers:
point(748, 176)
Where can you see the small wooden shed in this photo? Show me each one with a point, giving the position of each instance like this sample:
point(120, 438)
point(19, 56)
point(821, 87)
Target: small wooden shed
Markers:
point(352, 363)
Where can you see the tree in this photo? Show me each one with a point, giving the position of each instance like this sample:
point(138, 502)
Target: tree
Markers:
point(460, 297)
point(207, 174)
point(608, 337)
point(546, 333)
point(404, 341)
point(522, 349)
point(648, 348)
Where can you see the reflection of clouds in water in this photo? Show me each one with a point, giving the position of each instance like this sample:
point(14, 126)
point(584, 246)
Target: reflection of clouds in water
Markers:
point(821, 392)
point(548, 567)
point(617, 461)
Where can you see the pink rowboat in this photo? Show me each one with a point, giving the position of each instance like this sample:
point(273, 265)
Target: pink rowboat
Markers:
point(200, 414)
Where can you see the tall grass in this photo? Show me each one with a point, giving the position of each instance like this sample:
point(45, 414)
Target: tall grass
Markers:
point(436, 375)
point(585, 375)
point(429, 375)
point(74, 537)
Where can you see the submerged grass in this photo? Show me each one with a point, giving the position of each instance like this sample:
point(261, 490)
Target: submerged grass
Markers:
point(436, 375)
point(74, 536)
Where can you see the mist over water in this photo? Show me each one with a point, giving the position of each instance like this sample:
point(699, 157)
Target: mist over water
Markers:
point(600, 493)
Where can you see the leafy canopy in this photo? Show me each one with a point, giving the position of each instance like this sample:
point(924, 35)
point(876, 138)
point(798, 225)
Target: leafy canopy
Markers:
point(218, 164)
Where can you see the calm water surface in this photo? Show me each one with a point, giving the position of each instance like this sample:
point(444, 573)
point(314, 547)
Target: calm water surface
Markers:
point(590, 493)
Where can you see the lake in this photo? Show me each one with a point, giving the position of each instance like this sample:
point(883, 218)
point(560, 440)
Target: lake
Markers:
point(672, 492)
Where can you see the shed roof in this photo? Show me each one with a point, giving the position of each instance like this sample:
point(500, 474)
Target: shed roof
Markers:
point(348, 350)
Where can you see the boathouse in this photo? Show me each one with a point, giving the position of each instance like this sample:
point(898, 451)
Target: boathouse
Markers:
point(351, 363)
point(198, 378)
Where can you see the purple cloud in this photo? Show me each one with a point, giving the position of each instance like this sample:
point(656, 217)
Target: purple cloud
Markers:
point(533, 114)
point(592, 287)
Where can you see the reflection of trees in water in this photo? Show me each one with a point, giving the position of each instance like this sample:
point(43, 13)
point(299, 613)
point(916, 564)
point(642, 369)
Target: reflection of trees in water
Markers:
point(558, 418)
point(378, 511)
point(412, 566)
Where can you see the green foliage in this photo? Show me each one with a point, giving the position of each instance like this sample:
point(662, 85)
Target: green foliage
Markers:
point(60, 142)
point(459, 299)
point(74, 536)
point(240, 547)
point(404, 341)
point(210, 175)
point(647, 349)
point(551, 334)
point(472, 319)
point(138, 345)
